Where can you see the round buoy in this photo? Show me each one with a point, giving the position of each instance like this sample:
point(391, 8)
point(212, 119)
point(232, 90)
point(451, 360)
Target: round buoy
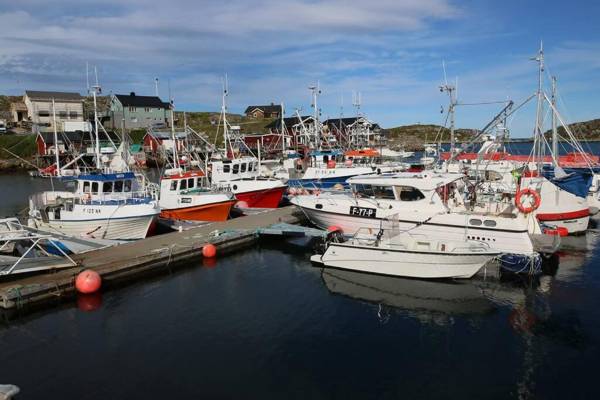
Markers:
point(242, 204)
point(89, 302)
point(209, 251)
point(88, 281)
point(334, 228)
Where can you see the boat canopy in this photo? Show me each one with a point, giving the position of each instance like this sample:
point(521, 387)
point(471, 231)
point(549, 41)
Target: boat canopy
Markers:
point(318, 153)
point(422, 181)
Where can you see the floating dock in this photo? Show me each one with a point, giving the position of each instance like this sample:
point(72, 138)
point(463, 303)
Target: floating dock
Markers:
point(131, 260)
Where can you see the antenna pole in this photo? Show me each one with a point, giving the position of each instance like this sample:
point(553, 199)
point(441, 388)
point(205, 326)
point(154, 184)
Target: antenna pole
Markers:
point(95, 90)
point(55, 140)
point(173, 137)
point(156, 87)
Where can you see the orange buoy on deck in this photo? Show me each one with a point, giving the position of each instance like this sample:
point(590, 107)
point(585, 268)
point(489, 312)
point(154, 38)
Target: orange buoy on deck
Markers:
point(88, 281)
point(209, 251)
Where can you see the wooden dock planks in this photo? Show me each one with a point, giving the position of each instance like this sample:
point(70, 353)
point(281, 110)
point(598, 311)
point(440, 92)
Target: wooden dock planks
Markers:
point(132, 259)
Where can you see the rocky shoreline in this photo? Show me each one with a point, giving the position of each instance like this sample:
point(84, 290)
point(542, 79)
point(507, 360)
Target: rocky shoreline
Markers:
point(14, 164)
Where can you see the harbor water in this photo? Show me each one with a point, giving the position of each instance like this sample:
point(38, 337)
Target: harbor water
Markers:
point(265, 323)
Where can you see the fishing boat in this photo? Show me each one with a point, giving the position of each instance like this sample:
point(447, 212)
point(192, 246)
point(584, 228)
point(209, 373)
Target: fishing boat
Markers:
point(188, 196)
point(242, 177)
point(407, 255)
point(104, 206)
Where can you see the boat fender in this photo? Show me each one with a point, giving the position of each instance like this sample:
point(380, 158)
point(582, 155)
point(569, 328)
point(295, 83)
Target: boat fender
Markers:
point(536, 200)
point(378, 171)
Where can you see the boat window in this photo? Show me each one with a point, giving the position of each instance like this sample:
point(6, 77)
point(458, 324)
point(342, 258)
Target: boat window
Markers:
point(94, 187)
point(127, 185)
point(86, 187)
point(118, 186)
point(243, 167)
point(474, 221)
point(107, 187)
point(182, 184)
point(383, 192)
point(409, 193)
point(226, 168)
point(489, 222)
point(250, 167)
point(174, 184)
point(191, 183)
point(236, 168)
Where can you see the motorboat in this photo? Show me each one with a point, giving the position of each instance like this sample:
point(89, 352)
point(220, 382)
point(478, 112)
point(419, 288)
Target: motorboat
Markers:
point(438, 206)
point(408, 255)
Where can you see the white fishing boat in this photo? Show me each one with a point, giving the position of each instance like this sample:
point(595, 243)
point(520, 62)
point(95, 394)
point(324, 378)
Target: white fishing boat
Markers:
point(406, 255)
point(438, 206)
point(104, 206)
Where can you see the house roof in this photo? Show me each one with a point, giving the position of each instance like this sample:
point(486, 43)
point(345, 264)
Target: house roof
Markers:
point(288, 121)
point(133, 100)
point(268, 109)
point(77, 136)
point(62, 96)
point(341, 122)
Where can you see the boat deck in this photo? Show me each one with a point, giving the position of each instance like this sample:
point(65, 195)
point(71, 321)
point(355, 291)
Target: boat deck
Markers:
point(131, 260)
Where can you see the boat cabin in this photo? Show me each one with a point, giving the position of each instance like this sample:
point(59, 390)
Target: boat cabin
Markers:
point(183, 183)
point(109, 187)
point(234, 169)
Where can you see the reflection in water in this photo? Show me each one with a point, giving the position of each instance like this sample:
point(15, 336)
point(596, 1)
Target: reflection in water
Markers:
point(428, 301)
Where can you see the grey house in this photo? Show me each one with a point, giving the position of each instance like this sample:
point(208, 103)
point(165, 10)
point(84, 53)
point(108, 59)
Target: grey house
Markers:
point(137, 112)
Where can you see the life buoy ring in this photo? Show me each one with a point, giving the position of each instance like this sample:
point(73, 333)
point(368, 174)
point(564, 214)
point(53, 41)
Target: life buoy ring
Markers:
point(87, 197)
point(536, 200)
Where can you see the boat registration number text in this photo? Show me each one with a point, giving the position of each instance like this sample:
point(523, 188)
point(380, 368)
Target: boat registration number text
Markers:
point(92, 211)
point(363, 212)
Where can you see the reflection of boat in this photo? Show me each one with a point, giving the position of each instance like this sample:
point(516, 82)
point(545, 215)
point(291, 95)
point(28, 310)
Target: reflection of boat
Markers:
point(423, 298)
point(408, 256)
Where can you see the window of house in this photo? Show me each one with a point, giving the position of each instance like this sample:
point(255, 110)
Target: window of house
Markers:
point(173, 185)
point(132, 109)
point(73, 114)
point(43, 113)
point(127, 185)
point(236, 168)
point(86, 187)
point(243, 167)
point(147, 109)
point(107, 187)
point(226, 168)
point(62, 114)
point(118, 186)
point(94, 187)
point(408, 193)
point(182, 184)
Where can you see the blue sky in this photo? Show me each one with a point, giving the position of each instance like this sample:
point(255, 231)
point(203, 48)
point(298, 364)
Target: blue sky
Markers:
point(272, 50)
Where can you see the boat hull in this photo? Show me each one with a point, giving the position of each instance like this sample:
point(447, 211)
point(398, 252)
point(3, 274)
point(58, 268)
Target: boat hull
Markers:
point(262, 198)
point(206, 212)
point(410, 264)
point(126, 228)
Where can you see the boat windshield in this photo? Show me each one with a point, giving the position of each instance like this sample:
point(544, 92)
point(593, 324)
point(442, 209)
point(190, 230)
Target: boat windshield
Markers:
point(378, 192)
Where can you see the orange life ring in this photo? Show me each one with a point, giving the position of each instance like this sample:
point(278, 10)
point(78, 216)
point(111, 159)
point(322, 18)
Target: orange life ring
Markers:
point(536, 200)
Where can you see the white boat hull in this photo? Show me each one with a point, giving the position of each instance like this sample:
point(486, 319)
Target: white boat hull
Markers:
point(410, 264)
point(127, 228)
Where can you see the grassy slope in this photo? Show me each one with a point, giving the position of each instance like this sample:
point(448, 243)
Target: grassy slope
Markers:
point(413, 136)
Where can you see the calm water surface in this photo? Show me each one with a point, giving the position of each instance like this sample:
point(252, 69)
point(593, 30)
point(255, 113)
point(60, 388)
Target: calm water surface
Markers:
point(267, 324)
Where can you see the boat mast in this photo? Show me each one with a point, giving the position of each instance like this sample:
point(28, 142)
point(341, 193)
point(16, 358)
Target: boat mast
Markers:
point(55, 139)
point(554, 129)
point(226, 138)
point(539, 111)
point(173, 137)
point(315, 92)
point(283, 146)
point(95, 90)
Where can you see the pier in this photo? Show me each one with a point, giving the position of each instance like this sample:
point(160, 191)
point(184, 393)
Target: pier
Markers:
point(132, 260)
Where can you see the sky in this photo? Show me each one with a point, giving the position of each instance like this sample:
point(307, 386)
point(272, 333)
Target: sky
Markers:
point(391, 51)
